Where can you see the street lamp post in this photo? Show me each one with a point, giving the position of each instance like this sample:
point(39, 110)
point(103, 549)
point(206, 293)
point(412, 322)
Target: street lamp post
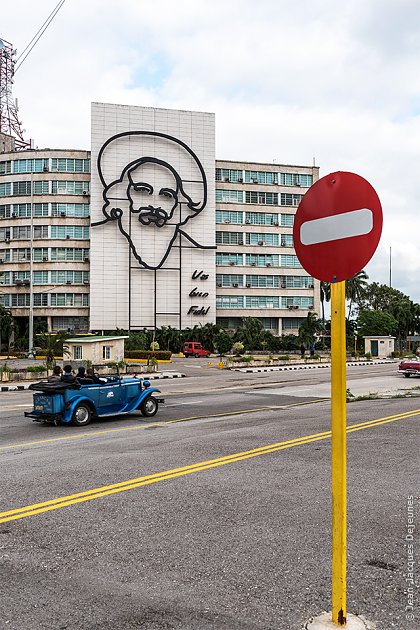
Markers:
point(31, 288)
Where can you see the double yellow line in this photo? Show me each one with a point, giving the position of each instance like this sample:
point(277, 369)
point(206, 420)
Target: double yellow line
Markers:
point(123, 486)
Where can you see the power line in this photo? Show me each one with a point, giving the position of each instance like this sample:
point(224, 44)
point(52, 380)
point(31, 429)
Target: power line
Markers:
point(38, 35)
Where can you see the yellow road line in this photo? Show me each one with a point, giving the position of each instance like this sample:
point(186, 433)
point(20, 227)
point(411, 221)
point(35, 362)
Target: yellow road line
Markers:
point(79, 435)
point(123, 486)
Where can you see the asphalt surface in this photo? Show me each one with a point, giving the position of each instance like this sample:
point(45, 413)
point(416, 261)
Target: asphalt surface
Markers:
point(232, 537)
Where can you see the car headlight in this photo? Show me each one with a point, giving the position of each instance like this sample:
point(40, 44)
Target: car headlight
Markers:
point(146, 384)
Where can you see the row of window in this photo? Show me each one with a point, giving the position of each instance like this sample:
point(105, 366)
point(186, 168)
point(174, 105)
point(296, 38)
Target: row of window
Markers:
point(44, 165)
point(258, 198)
point(263, 177)
point(258, 260)
point(264, 282)
point(222, 280)
point(269, 323)
point(70, 324)
point(78, 353)
point(12, 300)
point(44, 231)
point(22, 210)
point(44, 277)
point(254, 238)
point(78, 165)
point(254, 218)
point(8, 189)
point(44, 254)
point(263, 301)
point(233, 323)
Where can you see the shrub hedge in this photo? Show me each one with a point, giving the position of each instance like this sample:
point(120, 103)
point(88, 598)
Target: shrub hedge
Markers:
point(160, 355)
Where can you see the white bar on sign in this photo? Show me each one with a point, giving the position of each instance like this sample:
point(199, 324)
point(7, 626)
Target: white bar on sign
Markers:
point(344, 225)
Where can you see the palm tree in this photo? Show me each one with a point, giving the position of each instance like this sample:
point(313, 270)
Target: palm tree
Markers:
point(355, 288)
point(53, 344)
point(250, 333)
point(168, 338)
point(208, 334)
point(309, 328)
point(325, 296)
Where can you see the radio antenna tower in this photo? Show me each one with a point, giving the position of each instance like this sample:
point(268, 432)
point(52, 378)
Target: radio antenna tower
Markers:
point(9, 120)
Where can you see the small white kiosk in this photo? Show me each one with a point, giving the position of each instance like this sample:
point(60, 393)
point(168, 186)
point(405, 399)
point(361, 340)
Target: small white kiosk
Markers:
point(379, 346)
point(97, 350)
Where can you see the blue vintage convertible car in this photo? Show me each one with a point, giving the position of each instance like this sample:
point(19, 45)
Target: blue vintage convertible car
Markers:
point(77, 403)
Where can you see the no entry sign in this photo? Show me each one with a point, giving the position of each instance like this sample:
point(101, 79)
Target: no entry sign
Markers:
point(337, 226)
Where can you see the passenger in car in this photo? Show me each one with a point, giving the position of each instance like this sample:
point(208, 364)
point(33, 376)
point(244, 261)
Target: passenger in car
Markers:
point(92, 376)
point(56, 375)
point(68, 375)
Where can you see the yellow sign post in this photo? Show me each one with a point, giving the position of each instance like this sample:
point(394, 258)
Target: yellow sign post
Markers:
point(338, 451)
point(336, 231)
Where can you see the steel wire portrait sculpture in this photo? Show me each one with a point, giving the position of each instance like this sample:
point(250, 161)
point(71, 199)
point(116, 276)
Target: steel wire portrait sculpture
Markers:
point(150, 201)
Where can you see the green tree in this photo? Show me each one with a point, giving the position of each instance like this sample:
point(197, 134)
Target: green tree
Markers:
point(8, 328)
point(139, 340)
point(53, 344)
point(169, 338)
point(250, 333)
point(204, 334)
point(325, 296)
point(207, 335)
point(376, 323)
point(223, 342)
point(355, 289)
point(238, 348)
point(310, 327)
point(268, 342)
point(380, 297)
point(289, 343)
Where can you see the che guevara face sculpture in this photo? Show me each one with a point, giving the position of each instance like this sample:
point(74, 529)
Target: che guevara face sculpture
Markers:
point(150, 202)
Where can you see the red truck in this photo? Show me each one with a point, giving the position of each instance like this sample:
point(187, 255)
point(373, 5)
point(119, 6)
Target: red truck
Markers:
point(194, 349)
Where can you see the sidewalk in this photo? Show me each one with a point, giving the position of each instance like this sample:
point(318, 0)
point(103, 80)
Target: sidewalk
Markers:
point(312, 366)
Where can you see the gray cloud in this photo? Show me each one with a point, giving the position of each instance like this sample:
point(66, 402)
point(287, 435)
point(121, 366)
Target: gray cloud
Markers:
point(288, 81)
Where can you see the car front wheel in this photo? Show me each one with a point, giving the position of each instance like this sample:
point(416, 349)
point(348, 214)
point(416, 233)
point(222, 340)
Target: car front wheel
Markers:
point(82, 415)
point(407, 375)
point(149, 407)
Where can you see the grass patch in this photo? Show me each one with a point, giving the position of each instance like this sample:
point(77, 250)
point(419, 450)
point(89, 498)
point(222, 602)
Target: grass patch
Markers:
point(411, 393)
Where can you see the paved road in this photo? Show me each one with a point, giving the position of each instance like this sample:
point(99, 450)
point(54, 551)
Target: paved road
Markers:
point(220, 521)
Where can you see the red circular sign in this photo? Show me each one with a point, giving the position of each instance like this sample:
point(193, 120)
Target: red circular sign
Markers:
point(337, 226)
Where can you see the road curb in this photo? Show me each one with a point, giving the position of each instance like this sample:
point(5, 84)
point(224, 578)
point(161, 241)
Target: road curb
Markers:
point(150, 377)
point(284, 368)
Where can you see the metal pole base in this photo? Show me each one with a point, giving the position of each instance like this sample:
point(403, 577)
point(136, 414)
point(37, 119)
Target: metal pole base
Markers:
point(324, 622)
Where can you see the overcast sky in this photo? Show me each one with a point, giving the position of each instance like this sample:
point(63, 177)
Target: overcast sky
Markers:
point(290, 82)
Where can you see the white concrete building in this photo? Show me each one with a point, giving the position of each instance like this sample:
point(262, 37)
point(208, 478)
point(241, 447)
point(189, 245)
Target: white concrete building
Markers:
point(44, 235)
point(133, 244)
point(97, 350)
point(258, 272)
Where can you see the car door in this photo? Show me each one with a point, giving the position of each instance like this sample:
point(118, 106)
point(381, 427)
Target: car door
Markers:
point(110, 398)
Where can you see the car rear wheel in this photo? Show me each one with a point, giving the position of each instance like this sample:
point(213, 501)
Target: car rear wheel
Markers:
point(407, 375)
point(149, 407)
point(82, 415)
